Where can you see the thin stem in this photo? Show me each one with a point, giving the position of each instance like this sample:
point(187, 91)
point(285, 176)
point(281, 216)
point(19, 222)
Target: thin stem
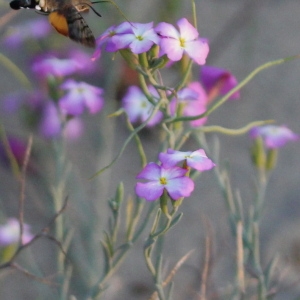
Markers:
point(233, 132)
point(237, 88)
point(15, 70)
point(139, 144)
point(22, 189)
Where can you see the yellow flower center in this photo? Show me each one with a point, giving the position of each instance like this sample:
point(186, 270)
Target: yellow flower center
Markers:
point(163, 180)
point(182, 42)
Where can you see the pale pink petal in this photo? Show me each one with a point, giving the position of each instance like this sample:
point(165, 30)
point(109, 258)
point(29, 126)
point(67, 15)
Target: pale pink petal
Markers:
point(173, 172)
point(199, 161)
point(180, 187)
point(167, 30)
point(187, 30)
point(139, 29)
point(140, 46)
point(172, 48)
point(197, 50)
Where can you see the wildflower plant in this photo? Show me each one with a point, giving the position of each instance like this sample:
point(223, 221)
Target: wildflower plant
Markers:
point(178, 112)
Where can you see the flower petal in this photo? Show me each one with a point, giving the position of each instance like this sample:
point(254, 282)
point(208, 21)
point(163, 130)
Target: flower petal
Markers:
point(197, 50)
point(180, 187)
point(152, 171)
point(149, 190)
point(187, 30)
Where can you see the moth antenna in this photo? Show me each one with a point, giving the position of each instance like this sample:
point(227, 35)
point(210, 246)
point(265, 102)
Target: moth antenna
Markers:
point(91, 7)
point(116, 6)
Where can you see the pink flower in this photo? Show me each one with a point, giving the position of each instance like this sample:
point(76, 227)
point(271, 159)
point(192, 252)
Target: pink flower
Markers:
point(195, 159)
point(10, 232)
point(193, 99)
point(107, 38)
point(138, 108)
point(175, 43)
point(79, 96)
point(274, 136)
point(139, 40)
point(50, 123)
point(173, 180)
point(49, 65)
point(218, 81)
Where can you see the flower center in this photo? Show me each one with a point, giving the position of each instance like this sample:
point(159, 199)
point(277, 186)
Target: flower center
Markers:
point(163, 180)
point(144, 104)
point(182, 42)
point(139, 37)
point(80, 90)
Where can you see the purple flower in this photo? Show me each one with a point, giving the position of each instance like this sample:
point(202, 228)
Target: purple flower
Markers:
point(159, 178)
point(139, 40)
point(83, 61)
point(274, 136)
point(138, 108)
point(218, 81)
point(10, 232)
point(193, 99)
point(49, 65)
point(79, 96)
point(17, 148)
point(73, 129)
point(35, 29)
point(195, 159)
point(174, 44)
point(107, 38)
point(50, 123)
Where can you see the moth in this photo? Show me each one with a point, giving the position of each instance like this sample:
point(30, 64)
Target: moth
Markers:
point(65, 16)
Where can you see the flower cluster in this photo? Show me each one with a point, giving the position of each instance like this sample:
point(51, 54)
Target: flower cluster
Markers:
point(140, 38)
point(57, 110)
point(169, 176)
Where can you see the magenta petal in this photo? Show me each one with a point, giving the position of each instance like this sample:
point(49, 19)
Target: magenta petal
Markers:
point(149, 190)
point(152, 171)
point(180, 187)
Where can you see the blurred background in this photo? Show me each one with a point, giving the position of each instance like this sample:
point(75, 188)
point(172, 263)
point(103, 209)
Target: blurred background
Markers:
point(242, 34)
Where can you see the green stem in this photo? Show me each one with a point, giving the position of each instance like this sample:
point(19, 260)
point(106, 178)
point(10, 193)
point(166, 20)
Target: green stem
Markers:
point(239, 131)
point(15, 70)
point(138, 143)
point(237, 88)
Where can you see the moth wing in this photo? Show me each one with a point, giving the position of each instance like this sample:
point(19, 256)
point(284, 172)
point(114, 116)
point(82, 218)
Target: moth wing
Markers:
point(69, 22)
